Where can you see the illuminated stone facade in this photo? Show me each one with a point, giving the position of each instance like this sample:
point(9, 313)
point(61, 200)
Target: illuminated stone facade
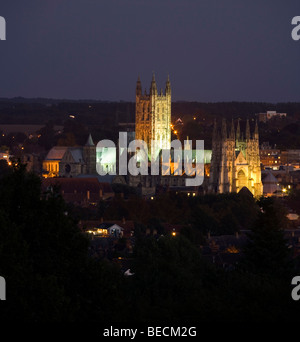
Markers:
point(235, 161)
point(63, 161)
point(153, 116)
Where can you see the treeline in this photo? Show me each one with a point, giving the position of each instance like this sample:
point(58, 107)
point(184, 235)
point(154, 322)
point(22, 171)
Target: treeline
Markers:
point(234, 110)
point(50, 276)
point(102, 119)
point(222, 214)
point(89, 112)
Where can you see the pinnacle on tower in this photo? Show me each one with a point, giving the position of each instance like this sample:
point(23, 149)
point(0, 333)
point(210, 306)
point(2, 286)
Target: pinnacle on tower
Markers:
point(90, 141)
point(232, 130)
point(138, 87)
point(238, 131)
point(256, 130)
point(168, 86)
point(215, 130)
point(224, 129)
point(247, 130)
point(153, 88)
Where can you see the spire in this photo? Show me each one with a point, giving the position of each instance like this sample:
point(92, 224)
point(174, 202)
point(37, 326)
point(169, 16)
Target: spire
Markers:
point(232, 130)
point(153, 77)
point(224, 129)
point(138, 87)
point(153, 88)
point(90, 141)
point(215, 130)
point(238, 131)
point(256, 130)
point(168, 86)
point(247, 130)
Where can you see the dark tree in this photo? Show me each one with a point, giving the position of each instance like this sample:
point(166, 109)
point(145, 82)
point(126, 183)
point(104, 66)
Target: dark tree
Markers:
point(44, 257)
point(267, 252)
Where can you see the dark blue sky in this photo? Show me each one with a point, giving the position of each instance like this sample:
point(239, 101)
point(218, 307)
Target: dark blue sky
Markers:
point(229, 50)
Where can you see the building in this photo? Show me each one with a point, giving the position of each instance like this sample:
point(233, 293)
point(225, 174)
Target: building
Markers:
point(276, 159)
point(264, 117)
point(235, 161)
point(4, 155)
point(153, 122)
point(63, 161)
point(153, 116)
point(270, 183)
point(83, 191)
point(270, 157)
point(107, 229)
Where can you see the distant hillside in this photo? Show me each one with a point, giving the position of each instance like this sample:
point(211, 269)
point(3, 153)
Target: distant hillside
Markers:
point(93, 112)
point(101, 118)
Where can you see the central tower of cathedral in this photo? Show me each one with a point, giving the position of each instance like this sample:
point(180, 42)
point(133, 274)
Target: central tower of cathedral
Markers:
point(153, 116)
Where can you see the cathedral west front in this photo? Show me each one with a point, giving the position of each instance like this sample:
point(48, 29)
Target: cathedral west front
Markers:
point(235, 162)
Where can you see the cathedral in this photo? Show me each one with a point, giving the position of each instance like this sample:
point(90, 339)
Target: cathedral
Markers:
point(235, 162)
point(153, 117)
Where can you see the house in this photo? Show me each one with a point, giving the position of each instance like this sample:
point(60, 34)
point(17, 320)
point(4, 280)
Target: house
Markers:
point(106, 229)
point(79, 191)
point(127, 227)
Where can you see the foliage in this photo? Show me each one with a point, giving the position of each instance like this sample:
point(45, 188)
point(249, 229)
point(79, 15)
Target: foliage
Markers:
point(44, 256)
point(51, 276)
point(267, 252)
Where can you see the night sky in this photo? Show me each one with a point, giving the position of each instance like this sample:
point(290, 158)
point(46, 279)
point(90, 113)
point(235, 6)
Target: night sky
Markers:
point(229, 50)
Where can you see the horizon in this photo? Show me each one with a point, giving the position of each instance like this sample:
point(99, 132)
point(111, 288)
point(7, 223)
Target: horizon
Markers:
point(19, 98)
